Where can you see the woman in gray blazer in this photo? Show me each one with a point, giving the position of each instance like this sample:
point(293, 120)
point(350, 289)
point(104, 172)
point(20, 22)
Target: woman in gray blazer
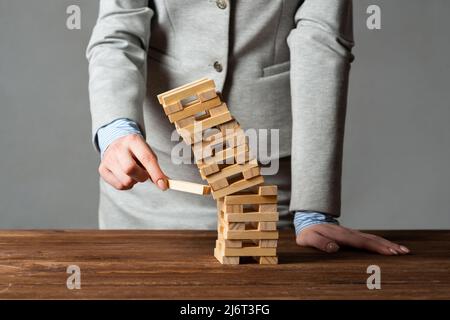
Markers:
point(280, 65)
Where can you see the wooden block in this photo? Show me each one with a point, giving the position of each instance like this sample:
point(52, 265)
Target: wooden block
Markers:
point(268, 190)
point(228, 156)
point(236, 138)
point(219, 253)
point(190, 137)
point(172, 108)
point(186, 91)
point(185, 122)
point(201, 152)
point(207, 95)
point(207, 170)
point(218, 184)
point(229, 243)
point(229, 126)
point(213, 137)
point(190, 187)
point(251, 234)
point(251, 216)
point(250, 199)
point(232, 170)
point(190, 84)
point(268, 207)
point(267, 243)
point(243, 154)
point(225, 260)
point(235, 208)
point(250, 251)
point(237, 186)
point(267, 260)
point(250, 173)
point(234, 226)
point(219, 110)
point(200, 126)
point(194, 108)
point(204, 148)
point(267, 226)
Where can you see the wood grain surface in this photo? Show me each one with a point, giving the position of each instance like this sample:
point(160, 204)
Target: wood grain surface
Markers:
point(180, 265)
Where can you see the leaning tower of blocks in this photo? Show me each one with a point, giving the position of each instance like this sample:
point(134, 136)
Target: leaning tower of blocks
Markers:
point(246, 207)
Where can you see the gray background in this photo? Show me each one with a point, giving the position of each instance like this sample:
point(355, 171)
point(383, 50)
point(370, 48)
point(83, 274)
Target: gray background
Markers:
point(397, 155)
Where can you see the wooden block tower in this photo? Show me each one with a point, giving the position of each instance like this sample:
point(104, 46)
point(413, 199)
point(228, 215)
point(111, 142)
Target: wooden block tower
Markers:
point(246, 208)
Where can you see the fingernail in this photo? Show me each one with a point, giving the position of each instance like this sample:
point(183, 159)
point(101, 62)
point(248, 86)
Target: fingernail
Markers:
point(332, 247)
point(404, 249)
point(161, 184)
point(393, 251)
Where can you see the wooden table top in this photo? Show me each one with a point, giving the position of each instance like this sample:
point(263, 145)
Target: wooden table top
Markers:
point(180, 265)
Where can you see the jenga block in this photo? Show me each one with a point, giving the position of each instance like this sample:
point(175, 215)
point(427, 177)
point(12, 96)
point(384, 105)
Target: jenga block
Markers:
point(207, 170)
point(194, 108)
point(219, 110)
point(267, 260)
point(249, 251)
point(236, 138)
point(268, 190)
point(185, 122)
point(267, 226)
point(219, 253)
point(268, 207)
point(243, 156)
point(207, 123)
point(235, 208)
point(227, 156)
point(250, 199)
point(186, 91)
point(207, 95)
point(220, 157)
point(251, 216)
point(250, 234)
point(237, 186)
point(230, 125)
point(190, 187)
point(225, 260)
point(201, 152)
point(234, 226)
point(250, 173)
point(172, 108)
point(190, 137)
point(204, 149)
point(232, 170)
point(219, 184)
point(267, 243)
point(187, 85)
point(213, 137)
point(229, 243)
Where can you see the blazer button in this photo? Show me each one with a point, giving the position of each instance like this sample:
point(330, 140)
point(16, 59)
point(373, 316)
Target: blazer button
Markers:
point(218, 66)
point(221, 4)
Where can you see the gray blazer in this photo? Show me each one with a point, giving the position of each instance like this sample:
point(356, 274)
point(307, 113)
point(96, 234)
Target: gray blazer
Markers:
point(280, 64)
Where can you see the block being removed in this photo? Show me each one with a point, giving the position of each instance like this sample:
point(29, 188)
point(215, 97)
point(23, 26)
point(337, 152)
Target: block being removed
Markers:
point(190, 187)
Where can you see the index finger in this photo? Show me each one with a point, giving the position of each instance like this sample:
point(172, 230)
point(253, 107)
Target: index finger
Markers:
point(149, 161)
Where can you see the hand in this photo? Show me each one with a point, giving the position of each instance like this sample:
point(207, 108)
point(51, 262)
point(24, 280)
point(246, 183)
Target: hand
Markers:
point(129, 160)
point(328, 238)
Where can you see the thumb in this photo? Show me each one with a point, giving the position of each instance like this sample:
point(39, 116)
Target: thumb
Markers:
point(314, 239)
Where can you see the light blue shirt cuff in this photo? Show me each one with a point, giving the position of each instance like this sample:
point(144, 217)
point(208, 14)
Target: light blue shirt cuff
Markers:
point(304, 219)
point(115, 130)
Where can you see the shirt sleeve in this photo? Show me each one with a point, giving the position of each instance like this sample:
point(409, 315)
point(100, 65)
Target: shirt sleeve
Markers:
point(304, 219)
point(115, 130)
